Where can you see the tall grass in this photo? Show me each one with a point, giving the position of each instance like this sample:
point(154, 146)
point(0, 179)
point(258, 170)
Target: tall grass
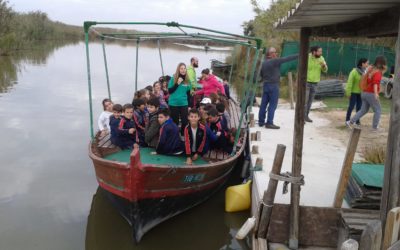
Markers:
point(374, 154)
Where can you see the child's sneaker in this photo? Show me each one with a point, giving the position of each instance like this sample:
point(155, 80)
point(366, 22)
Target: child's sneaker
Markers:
point(378, 130)
point(349, 124)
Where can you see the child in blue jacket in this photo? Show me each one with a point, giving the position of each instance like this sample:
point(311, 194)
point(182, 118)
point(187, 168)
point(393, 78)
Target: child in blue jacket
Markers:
point(126, 133)
point(115, 119)
point(140, 118)
point(170, 142)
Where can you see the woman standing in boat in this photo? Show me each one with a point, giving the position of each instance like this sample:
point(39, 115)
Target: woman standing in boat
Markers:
point(178, 89)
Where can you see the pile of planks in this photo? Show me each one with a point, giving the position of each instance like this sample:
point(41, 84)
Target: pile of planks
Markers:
point(361, 196)
point(364, 189)
point(329, 88)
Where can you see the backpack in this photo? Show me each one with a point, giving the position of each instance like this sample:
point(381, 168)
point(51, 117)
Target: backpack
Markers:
point(364, 79)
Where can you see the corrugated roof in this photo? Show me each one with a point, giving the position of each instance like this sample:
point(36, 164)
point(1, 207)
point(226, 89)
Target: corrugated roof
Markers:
point(314, 13)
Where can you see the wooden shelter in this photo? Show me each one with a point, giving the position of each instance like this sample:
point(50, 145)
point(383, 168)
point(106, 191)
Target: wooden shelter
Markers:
point(327, 227)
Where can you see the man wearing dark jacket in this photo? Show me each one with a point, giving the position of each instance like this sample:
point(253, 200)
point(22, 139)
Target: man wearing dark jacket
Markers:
point(270, 75)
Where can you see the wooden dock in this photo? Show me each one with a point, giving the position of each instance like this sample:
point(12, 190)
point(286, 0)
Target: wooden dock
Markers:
point(322, 159)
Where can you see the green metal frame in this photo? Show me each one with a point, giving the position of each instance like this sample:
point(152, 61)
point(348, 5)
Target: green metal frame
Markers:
point(215, 35)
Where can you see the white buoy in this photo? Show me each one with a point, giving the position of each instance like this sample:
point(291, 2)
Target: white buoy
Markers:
point(246, 228)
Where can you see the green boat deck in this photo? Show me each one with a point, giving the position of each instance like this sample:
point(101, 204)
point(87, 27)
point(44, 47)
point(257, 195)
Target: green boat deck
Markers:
point(370, 175)
point(147, 158)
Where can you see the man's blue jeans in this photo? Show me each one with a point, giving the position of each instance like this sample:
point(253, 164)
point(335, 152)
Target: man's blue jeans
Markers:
point(270, 97)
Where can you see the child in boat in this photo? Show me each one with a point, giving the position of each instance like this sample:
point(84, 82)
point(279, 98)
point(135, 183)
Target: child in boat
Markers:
point(170, 142)
point(141, 94)
point(140, 118)
point(157, 91)
point(226, 88)
point(104, 118)
point(152, 129)
point(115, 118)
point(214, 122)
point(231, 140)
point(224, 115)
point(195, 137)
point(126, 133)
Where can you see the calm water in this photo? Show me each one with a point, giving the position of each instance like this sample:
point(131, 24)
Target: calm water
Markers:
point(48, 188)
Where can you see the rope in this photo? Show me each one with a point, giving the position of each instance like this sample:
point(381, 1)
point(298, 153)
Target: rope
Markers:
point(287, 178)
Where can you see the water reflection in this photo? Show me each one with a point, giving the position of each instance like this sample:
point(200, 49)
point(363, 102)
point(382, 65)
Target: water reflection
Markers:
point(206, 226)
point(46, 178)
point(11, 65)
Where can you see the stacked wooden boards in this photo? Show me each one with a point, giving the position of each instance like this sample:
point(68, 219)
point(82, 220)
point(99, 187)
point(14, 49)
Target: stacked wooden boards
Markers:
point(365, 186)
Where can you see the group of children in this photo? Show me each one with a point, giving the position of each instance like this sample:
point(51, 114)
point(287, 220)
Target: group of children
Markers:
point(147, 123)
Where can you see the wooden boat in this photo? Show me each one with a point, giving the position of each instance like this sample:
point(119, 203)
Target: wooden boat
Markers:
point(149, 189)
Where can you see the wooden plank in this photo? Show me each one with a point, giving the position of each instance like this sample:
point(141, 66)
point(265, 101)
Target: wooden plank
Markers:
point(372, 236)
point(298, 137)
point(318, 226)
point(262, 244)
point(392, 228)
point(269, 194)
point(380, 24)
point(346, 168)
point(391, 187)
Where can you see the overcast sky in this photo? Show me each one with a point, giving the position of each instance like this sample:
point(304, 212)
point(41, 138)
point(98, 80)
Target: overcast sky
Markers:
point(226, 15)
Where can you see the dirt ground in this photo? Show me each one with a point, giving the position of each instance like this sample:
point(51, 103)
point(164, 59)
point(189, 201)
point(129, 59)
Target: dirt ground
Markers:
point(368, 138)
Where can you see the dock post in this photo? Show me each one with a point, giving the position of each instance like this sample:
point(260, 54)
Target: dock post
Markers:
point(269, 194)
point(391, 188)
point(290, 87)
point(254, 149)
point(298, 138)
point(346, 168)
point(371, 237)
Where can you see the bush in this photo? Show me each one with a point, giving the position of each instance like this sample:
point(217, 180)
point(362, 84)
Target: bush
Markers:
point(374, 154)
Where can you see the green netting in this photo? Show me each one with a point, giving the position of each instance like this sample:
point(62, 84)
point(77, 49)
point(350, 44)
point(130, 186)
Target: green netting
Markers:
point(340, 57)
point(147, 158)
point(370, 175)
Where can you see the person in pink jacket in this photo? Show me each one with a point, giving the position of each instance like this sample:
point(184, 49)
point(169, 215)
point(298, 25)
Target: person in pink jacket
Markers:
point(210, 84)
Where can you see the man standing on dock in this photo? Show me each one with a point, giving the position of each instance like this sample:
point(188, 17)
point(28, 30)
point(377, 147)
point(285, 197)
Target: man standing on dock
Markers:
point(316, 64)
point(270, 75)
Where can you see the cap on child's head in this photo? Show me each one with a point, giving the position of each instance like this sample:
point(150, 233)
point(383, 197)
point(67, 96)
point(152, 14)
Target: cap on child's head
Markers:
point(205, 100)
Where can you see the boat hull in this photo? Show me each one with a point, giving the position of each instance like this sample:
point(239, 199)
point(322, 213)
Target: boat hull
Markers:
point(143, 215)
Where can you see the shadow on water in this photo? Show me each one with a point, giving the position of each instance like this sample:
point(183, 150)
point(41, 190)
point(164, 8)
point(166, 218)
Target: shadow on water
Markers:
point(11, 65)
point(206, 226)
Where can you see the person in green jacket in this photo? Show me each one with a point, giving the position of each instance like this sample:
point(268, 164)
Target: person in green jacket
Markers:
point(194, 63)
point(179, 88)
point(316, 65)
point(353, 91)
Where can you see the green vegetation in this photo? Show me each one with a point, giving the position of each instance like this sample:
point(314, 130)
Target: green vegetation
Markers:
point(27, 30)
point(375, 154)
point(341, 103)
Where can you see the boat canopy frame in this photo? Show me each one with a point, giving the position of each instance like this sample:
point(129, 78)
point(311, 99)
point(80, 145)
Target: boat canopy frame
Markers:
point(252, 44)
